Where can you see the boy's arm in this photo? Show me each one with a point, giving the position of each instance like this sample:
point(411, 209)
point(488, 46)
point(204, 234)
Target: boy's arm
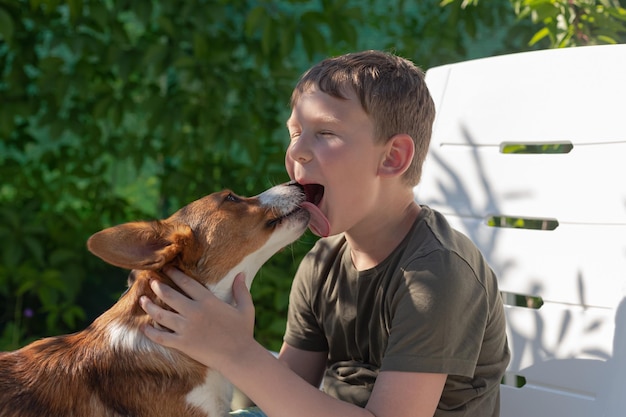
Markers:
point(309, 365)
point(278, 391)
point(406, 394)
point(397, 389)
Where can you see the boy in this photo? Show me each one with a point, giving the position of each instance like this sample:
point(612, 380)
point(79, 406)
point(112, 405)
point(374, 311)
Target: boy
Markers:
point(397, 313)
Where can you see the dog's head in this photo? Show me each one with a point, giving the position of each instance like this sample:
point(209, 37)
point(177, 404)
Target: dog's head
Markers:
point(211, 239)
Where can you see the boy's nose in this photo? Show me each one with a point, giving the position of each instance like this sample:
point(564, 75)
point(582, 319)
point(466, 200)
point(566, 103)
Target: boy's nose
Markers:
point(298, 151)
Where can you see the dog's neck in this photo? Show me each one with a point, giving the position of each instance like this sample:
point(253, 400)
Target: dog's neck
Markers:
point(249, 266)
point(223, 289)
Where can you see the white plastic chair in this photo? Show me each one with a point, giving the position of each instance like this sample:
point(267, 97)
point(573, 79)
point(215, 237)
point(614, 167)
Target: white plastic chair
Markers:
point(528, 158)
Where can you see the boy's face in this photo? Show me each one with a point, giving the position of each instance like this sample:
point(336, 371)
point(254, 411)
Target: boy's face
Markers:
point(332, 144)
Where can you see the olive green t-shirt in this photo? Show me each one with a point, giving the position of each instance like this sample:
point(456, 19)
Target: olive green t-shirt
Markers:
point(432, 306)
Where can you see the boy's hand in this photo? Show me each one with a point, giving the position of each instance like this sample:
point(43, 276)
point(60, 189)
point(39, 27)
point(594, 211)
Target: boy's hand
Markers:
point(202, 326)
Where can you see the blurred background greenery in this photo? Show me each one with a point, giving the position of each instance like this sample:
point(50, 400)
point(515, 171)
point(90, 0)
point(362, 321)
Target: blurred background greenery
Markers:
point(118, 110)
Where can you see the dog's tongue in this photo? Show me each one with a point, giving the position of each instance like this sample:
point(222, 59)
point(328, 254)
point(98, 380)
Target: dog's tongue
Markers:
point(319, 223)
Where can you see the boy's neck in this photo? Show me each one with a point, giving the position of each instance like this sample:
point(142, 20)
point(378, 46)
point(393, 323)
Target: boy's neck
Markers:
point(370, 247)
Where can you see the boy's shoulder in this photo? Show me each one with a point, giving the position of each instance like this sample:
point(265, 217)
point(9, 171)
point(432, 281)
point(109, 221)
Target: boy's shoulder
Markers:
point(433, 230)
point(436, 241)
point(326, 248)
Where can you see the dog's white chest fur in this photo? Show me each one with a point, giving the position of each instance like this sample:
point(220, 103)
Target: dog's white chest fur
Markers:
point(213, 396)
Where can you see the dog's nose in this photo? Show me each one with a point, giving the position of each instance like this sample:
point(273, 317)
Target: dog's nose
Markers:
point(294, 183)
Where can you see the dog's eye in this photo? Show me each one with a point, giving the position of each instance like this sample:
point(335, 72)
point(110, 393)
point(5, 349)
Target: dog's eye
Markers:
point(231, 197)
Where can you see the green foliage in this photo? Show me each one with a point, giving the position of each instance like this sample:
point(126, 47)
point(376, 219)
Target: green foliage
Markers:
point(537, 148)
point(564, 23)
point(571, 23)
point(522, 223)
point(120, 110)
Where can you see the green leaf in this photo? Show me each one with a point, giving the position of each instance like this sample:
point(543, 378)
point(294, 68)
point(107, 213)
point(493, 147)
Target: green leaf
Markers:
point(61, 256)
point(618, 13)
point(76, 9)
point(6, 26)
point(156, 53)
point(607, 39)
point(185, 62)
point(254, 20)
point(12, 255)
point(51, 64)
point(101, 108)
point(312, 40)
point(7, 121)
point(542, 33)
point(71, 314)
point(99, 13)
point(166, 24)
point(25, 287)
point(288, 39)
point(35, 247)
point(143, 10)
point(269, 36)
point(200, 46)
point(49, 297)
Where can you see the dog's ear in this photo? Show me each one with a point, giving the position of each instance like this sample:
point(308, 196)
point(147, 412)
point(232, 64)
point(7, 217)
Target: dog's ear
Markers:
point(140, 245)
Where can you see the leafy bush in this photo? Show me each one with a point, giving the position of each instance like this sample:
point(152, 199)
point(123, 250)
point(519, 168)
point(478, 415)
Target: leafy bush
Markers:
point(565, 23)
point(122, 110)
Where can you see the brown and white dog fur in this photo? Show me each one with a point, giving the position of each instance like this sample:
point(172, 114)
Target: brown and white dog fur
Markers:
point(111, 369)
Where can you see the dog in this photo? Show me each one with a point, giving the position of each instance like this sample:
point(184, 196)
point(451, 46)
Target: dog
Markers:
point(111, 369)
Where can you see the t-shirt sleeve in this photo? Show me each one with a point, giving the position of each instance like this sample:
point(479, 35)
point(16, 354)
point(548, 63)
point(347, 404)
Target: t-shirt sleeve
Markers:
point(438, 316)
point(303, 327)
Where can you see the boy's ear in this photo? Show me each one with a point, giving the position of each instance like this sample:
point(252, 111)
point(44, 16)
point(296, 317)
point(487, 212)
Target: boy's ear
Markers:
point(140, 245)
point(398, 156)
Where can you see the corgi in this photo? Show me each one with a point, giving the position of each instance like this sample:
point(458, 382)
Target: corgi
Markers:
point(111, 369)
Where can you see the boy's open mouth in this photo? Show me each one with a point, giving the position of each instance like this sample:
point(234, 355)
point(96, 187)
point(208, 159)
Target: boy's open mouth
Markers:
point(318, 224)
point(313, 193)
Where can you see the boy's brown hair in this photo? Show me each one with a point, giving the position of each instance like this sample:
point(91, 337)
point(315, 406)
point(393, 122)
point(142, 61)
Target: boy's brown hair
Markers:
point(391, 90)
